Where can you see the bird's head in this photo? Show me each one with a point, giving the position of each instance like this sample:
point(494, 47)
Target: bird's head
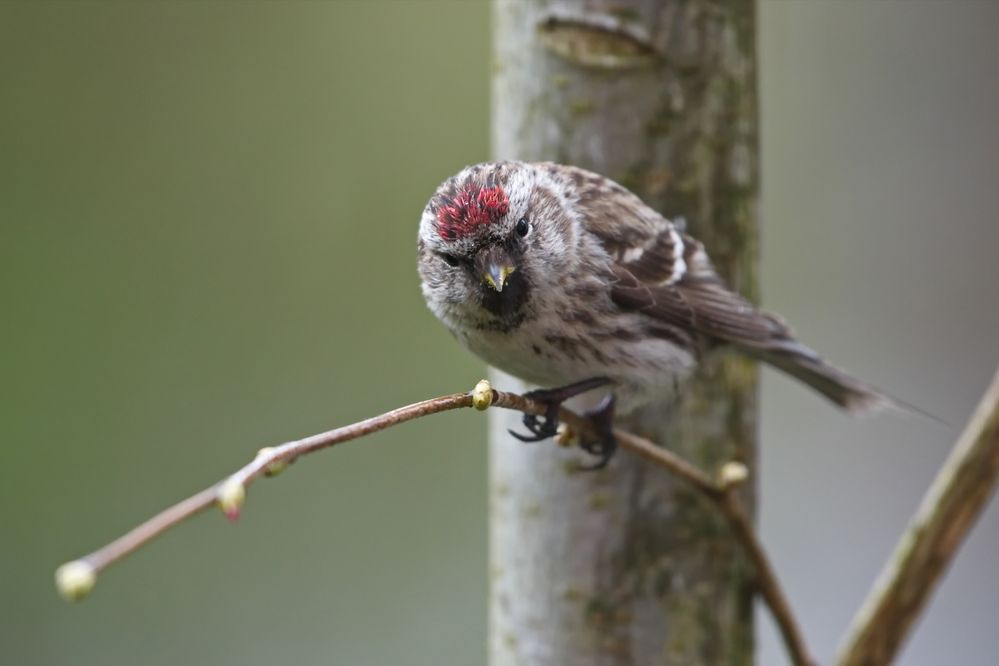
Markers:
point(490, 237)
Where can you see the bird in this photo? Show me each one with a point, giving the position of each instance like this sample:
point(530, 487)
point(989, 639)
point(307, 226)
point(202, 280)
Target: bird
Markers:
point(569, 281)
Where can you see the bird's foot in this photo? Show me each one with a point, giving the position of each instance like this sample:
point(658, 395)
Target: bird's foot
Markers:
point(605, 444)
point(545, 426)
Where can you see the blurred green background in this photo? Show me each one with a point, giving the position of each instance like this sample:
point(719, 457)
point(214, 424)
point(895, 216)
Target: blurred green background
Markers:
point(207, 223)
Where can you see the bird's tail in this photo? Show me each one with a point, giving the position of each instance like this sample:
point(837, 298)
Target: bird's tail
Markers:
point(804, 364)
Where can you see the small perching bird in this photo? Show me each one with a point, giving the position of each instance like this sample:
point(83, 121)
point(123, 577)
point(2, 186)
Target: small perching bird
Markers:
point(561, 276)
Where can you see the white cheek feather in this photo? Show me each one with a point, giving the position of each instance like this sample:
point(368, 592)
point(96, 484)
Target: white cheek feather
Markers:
point(679, 265)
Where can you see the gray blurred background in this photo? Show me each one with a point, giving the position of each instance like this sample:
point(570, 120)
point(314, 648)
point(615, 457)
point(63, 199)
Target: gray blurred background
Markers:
point(207, 224)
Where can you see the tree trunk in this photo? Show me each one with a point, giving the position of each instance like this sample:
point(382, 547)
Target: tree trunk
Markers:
point(627, 565)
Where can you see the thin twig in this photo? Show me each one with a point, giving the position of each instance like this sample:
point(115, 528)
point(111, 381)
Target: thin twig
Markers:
point(766, 580)
point(75, 579)
point(285, 453)
point(948, 511)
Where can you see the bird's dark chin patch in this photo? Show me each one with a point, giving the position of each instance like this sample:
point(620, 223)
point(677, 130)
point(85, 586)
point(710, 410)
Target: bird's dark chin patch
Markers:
point(507, 305)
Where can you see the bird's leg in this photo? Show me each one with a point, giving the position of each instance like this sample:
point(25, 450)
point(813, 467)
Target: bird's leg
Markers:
point(602, 418)
point(546, 425)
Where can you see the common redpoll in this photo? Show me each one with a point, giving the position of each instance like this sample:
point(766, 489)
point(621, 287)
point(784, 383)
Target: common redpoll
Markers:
point(561, 276)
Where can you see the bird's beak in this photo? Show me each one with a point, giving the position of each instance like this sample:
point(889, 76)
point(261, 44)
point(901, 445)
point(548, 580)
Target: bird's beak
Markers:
point(495, 266)
point(497, 275)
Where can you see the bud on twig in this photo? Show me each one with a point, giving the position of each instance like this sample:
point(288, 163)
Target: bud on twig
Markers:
point(731, 474)
point(275, 467)
point(566, 436)
point(482, 395)
point(230, 497)
point(74, 580)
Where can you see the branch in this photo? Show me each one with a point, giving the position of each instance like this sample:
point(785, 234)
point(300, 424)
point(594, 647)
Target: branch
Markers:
point(76, 579)
point(229, 494)
point(721, 492)
point(946, 515)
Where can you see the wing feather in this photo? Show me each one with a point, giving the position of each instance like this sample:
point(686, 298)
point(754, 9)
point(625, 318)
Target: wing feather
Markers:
point(663, 272)
point(660, 271)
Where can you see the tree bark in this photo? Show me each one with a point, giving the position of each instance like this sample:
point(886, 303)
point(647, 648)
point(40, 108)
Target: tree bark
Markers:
point(627, 565)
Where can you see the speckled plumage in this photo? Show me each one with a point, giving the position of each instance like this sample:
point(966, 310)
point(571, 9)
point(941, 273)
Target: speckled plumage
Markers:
point(601, 286)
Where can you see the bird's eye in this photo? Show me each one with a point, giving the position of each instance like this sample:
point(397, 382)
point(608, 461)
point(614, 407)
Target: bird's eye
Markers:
point(450, 259)
point(523, 226)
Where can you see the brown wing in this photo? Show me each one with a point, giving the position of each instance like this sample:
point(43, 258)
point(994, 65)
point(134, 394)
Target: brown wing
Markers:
point(662, 272)
point(687, 292)
point(698, 301)
point(666, 274)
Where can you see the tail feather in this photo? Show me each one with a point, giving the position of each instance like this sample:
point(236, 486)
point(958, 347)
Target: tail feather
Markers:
point(804, 364)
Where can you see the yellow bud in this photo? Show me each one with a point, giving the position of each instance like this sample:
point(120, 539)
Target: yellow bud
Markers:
point(230, 497)
point(482, 395)
point(74, 580)
point(732, 474)
point(275, 467)
point(566, 436)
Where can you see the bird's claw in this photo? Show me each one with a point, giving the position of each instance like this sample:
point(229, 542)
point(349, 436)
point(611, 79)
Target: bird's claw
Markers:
point(545, 426)
point(605, 444)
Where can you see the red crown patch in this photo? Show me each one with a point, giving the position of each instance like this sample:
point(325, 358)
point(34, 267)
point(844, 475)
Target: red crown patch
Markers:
point(473, 206)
